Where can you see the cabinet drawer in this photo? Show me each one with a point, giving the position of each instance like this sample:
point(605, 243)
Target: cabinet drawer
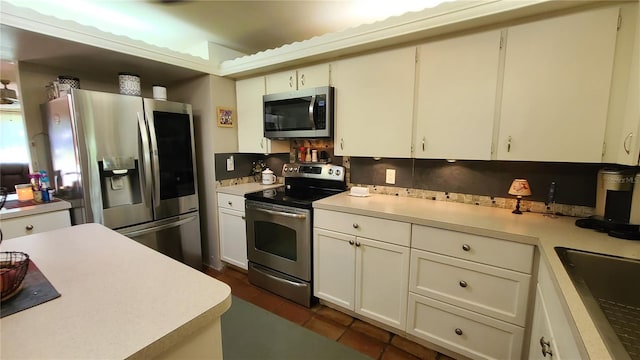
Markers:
point(233, 202)
point(488, 290)
point(482, 249)
point(463, 331)
point(33, 224)
point(391, 231)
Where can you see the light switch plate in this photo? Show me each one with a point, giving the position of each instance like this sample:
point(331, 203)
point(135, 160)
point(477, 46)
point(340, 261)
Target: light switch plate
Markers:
point(391, 176)
point(230, 164)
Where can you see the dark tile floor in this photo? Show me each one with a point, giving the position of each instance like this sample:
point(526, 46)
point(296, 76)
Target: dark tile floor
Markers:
point(377, 343)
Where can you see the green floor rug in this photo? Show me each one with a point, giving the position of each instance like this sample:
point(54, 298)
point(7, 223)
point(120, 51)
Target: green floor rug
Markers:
point(249, 332)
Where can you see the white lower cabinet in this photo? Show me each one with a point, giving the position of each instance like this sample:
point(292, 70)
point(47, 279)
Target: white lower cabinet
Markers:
point(465, 295)
point(367, 276)
point(551, 332)
point(233, 232)
point(465, 332)
point(33, 224)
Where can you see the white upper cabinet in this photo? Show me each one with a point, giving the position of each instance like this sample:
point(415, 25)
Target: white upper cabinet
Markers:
point(623, 126)
point(374, 104)
point(304, 78)
point(456, 97)
point(555, 95)
point(251, 138)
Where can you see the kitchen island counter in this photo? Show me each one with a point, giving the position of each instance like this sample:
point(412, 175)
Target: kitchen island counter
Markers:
point(119, 299)
point(530, 228)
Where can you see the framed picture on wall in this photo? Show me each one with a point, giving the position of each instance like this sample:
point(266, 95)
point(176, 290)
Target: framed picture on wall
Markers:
point(225, 116)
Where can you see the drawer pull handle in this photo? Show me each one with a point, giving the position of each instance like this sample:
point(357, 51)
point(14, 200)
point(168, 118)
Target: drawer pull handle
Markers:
point(463, 284)
point(466, 247)
point(351, 242)
point(458, 331)
point(29, 227)
point(355, 226)
point(546, 347)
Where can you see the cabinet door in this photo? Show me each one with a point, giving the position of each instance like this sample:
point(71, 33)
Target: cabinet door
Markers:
point(313, 76)
point(556, 87)
point(33, 224)
point(382, 272)
point(233, 237)
point(374, 104)
point(334, 267)
point(542, 341)
point(281, 82)
point(456, 97)
point(251, 138)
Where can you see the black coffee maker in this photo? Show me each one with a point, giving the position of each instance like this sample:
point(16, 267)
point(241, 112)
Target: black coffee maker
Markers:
point(617, 204)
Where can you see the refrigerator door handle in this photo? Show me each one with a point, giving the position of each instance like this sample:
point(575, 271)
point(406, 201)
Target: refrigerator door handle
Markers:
point(146, 161)
point(159, 227)
point(154, 160)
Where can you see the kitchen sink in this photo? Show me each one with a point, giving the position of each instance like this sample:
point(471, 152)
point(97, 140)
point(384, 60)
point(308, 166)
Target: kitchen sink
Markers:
point(610, 289)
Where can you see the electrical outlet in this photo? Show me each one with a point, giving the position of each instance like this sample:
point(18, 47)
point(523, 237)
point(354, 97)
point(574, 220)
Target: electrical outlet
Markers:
point(391, 176)
point(230, 164)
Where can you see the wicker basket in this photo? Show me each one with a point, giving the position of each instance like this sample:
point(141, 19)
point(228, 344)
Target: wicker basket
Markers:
point(13, 269)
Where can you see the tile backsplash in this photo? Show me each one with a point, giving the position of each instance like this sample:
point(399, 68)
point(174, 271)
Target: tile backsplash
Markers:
point(482, 183)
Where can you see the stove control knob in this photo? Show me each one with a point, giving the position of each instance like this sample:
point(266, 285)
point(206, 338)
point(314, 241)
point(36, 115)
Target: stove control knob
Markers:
point(330, 171)
point(337, 172)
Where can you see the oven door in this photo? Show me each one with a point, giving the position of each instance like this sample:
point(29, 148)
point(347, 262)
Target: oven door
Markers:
point(279, 237)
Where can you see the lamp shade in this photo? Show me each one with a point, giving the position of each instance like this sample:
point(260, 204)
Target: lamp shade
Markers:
point(520, 187)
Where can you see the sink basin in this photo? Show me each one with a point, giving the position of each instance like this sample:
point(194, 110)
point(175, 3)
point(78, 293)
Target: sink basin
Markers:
point(610, 289)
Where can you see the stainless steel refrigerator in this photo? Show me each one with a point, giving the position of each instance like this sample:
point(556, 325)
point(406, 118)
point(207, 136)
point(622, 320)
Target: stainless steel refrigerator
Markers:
point(129, 164)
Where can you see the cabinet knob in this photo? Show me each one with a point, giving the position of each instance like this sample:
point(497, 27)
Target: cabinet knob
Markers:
point(546, 347)
point(466, 247)
point(459, 331)
point(230, 203)
point(358, 243)
point(244, 217)
point(463, 284)
point(351, 242)
point(29, 227)
point(355, 226)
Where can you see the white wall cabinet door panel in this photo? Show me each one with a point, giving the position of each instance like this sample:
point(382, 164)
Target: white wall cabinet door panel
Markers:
point(334, 267)
point(314, 76)
point(557, 79)
point(382, 281)
point(281, 82)
point(374, 104)
point(251, 138)
point(456, 97)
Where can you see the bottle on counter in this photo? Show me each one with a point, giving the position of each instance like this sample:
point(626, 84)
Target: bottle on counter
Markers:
point(301, 154)
point(308, 154)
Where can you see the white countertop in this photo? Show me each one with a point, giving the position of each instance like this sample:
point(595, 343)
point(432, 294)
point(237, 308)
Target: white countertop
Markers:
point(119, 299)
point(530, 228)
point(31, 208)
point(242, 189)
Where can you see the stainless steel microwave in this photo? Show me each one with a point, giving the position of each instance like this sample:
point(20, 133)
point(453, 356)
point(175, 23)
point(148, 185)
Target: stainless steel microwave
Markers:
point(299, 114)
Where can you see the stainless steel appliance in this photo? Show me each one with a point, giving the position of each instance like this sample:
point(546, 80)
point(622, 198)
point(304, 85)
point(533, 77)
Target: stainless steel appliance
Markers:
point(299, 114)
point(279, 229)
point(617, 209)
point(128, 163)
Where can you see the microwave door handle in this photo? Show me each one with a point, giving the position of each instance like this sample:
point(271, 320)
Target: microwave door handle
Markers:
point(312, 107)
point(146, 161)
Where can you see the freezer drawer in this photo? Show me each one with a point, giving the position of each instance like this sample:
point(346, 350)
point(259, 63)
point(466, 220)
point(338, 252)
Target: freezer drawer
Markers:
point(177, 237)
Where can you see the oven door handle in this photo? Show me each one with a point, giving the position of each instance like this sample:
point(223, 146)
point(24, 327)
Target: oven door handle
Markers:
point(282, 213)
point(279, 279)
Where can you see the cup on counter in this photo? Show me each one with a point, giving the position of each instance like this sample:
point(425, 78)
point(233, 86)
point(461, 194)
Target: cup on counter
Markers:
point(314, 155)
point(25, 192)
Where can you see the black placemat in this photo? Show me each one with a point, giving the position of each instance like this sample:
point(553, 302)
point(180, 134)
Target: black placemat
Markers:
point(36, 290)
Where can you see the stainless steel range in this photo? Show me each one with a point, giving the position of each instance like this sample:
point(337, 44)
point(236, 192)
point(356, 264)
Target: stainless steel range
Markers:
point(279, 229)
